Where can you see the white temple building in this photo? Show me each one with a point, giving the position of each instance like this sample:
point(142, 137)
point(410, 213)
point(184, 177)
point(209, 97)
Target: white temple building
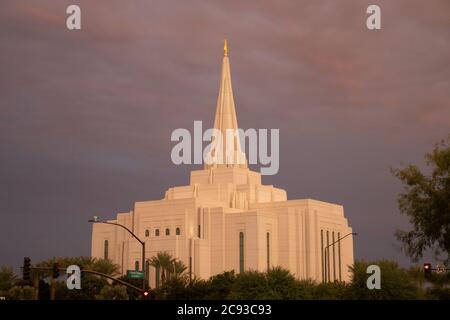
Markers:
point(226, 219)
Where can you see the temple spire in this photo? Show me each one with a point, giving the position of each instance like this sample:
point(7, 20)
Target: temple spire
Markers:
point(225, 118)
point(225, 48)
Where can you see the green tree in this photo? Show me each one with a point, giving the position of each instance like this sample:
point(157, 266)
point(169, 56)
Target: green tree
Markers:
point(99, 265)
point(199, 289)
point(417, 275)
point(132, 293)
point(282, 283)
point(91, 285)
point(221, 284)
point(438, 293)
point(251, 285)
point(331, 291)
point(396, 283)
point(175, 288)
point(426, 202)
point(7, 278)
point(305, 290)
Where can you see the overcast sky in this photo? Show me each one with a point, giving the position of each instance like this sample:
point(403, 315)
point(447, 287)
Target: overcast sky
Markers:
point(86, 116)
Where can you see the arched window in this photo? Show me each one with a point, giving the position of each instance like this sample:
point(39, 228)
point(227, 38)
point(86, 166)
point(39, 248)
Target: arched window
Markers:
point(105, 249)
point(147, 233)
point(136, 265)
point(157, 233)
point(241, 252)
point(167, 232)
point(177, 231)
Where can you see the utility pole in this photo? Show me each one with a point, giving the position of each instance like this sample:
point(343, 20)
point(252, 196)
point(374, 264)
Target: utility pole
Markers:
point(55, 275)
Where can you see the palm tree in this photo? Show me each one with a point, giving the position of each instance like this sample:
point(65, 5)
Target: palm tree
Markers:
point(155, 263)
point(178, 268)
point(164, 261)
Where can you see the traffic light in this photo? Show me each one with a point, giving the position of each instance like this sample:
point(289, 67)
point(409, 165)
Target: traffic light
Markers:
point(440, 269)
point(148, 295)
point(427, 270)
point(26, 269)
point(55, 274)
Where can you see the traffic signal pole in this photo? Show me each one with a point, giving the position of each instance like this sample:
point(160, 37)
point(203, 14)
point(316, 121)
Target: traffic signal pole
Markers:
point(55, 275)
point(144, 269)
point(56, 269)
point(428, 269)
point(145, 280)
point(26, 271)
point(96, 273)
point(53, 289)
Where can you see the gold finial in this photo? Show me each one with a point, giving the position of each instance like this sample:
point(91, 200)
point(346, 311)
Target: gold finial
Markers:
point(225, 48)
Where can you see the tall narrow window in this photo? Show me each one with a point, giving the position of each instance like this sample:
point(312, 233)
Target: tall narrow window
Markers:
point(167, 232)
point(136, 265)
point(147, 233)
point(177, 231)
point(199, 212)
point(157, 233)
point(322, 254)
point(334, 258)
point(241, 252)
point(105, 249)
point(268, 250)
point(328, 256)
point(339, 255)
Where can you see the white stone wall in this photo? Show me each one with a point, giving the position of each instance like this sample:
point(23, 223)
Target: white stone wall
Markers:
point(295, 228)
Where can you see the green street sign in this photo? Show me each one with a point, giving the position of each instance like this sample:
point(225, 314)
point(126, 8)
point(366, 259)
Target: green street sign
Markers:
point(133, 274)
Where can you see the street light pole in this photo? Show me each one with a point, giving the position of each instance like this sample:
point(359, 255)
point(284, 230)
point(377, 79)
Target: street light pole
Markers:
point(95, 220)
point(327, 276)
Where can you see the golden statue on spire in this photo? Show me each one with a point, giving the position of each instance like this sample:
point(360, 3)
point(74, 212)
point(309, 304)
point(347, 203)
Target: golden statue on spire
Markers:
point(225, 48)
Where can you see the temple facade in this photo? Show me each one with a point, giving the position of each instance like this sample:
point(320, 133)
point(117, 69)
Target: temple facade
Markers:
point(226, 219)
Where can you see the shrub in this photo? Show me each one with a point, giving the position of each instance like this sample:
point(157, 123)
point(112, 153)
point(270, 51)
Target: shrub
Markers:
point(117, 292)
point(21, 293)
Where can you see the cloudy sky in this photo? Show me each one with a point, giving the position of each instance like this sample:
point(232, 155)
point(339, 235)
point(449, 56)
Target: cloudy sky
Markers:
point(86, 116)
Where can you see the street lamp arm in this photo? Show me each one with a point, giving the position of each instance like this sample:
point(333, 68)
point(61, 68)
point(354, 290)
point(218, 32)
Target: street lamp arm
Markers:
point(325, 253)
point(351, 233)
point(120, 225)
